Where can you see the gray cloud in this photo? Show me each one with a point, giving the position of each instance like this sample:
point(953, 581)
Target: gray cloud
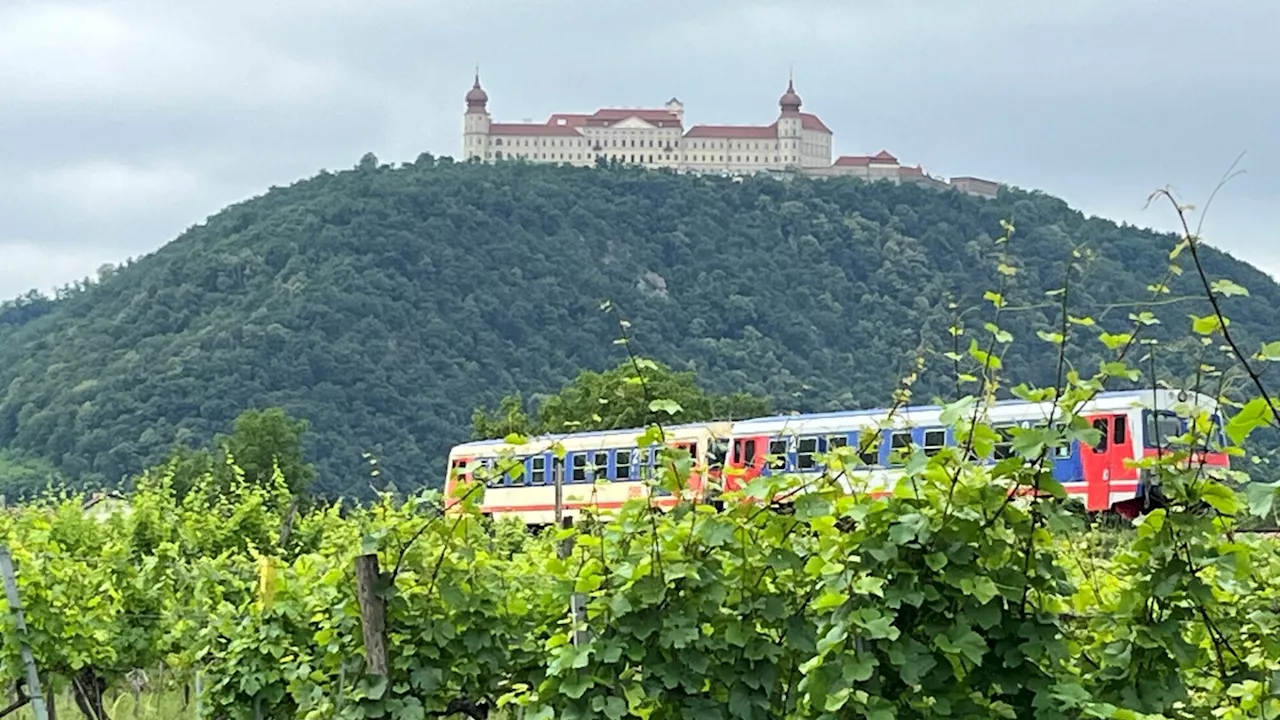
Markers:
point(124, 122)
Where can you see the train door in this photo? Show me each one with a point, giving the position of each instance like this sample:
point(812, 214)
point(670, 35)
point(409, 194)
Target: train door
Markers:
point(743, 462)
point(695, 474)
point(1104, 463)
point(458, 475)
point(717, 459)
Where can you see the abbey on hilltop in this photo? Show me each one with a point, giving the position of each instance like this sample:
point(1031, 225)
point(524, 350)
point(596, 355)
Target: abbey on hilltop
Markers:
point(658, 138)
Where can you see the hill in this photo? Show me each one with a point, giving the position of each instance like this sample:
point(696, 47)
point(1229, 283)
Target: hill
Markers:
point(383, 304)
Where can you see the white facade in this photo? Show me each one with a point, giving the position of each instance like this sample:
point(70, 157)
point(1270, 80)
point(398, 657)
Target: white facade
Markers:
point(658, 138)
point(654, 138)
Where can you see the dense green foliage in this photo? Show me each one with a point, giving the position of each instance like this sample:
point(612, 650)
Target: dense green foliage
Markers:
point(611, 400)
point(262, 443)
point(22, 475)
point(384, 304)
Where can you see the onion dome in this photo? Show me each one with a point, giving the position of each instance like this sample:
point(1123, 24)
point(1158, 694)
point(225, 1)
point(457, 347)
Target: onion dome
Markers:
point(790, 101)
point(476, 96)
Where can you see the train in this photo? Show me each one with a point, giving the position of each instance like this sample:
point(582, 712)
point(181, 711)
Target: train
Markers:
point(603, 469)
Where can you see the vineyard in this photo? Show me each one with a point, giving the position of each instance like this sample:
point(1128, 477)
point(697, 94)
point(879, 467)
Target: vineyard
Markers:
point(950, 598)
point(971, 590)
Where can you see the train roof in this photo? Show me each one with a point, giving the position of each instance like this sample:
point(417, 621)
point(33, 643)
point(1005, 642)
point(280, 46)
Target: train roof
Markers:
point(1002, 410)
point(910, 416)
point(588, 435)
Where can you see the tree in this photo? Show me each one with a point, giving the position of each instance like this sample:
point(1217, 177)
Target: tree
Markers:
point(260, 440)
point(22, 476)
point(263, 438)
point(617, 398)
point(509, 417)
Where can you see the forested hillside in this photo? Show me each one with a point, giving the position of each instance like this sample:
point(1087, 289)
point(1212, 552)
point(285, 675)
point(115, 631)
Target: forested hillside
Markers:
point(383, 304)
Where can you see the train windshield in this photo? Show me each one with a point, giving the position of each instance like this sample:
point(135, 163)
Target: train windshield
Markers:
point(1163, 428)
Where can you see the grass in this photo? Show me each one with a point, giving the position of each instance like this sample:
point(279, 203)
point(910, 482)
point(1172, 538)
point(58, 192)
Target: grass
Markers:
point(166, 705)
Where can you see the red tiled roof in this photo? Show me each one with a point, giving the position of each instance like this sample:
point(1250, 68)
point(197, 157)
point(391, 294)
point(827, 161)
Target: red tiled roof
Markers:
point(974, 179)
point(916, 171)
point(609, 116)
point(570, 119)
point(533, 129)
point(649, 115)
point(735, 132)
point(809, 121)
point(852, 161)
point(884, 157)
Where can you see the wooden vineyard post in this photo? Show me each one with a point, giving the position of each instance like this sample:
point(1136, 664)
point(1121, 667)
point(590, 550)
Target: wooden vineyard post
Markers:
point(577, 600)
point(199, 693)
point(373, 615)
point(15, 608)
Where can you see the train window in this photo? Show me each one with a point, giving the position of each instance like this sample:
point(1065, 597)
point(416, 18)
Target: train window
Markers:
point(1162, 428)
point(1060, 451)
point(492, 478)
point(515, 472)
point(778, 454)
point(579, 468)
point(538, 470)
point(899, 446)
point(686, 447)
point(1101, 426)
point(744, 452)
point(870, 455)
point(622, 465)
point(806, 448)
point(1118, 433)
point(717, 451)
point(1216, 438)
point(1004, 446)
point(600, 463)
point(835, 442)
point(934, 441)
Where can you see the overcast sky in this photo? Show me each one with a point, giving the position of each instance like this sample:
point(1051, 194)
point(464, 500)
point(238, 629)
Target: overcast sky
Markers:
point(122, 122)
